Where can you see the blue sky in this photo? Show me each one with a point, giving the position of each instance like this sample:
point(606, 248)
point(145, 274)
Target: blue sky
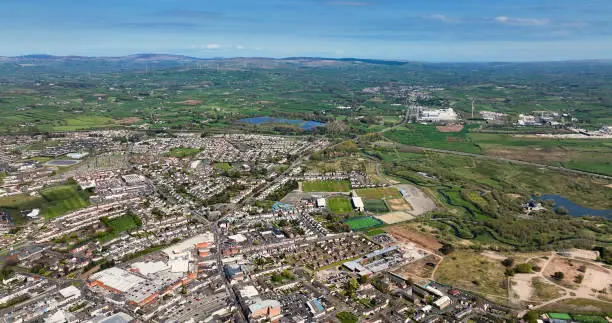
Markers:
point(426, 30)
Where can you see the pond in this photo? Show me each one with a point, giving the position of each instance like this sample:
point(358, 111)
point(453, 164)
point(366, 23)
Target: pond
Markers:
point(574, 209)
point(304, 124)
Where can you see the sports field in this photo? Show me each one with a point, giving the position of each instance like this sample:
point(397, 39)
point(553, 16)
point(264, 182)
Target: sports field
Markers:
point(376, 206)
point(362, 223)
point(53, 202)
point(379, 193)
point(339, 205)
point(326, 186)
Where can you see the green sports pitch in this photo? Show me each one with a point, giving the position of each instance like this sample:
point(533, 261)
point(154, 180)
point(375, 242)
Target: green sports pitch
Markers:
point(362, 223)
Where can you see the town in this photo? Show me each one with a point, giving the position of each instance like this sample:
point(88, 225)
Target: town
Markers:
point(117, 226)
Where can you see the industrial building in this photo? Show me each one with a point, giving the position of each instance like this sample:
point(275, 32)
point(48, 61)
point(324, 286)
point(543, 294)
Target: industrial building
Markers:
point(438, 115)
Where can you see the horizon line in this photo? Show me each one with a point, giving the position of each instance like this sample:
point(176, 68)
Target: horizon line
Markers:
point(402, 60)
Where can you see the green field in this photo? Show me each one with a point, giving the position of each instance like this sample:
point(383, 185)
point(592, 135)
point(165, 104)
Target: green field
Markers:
point(589, 319)
point(52, 202)
point(379, 193)
point(362, 223)
point(375, 232)
point(376, 206)
point(222, 166)
point(115, 226)
point(339, 205)
point(326, 186)
point(182, 152)
point(428, 136)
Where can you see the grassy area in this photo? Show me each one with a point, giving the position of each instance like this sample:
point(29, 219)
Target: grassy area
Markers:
point(339, 205)
point(379, 193)
point(582, 154)
point(222, 166)
point(589, 319)
point(375, 206)
point(375, 232)
point(326, 186)
point(182, 152)
point(53, 201)
point(60, 200)
point(362, 223)
point(429, 136)
point(543, 291)
point(471, 271)
point(118, 225)
point(579, 306)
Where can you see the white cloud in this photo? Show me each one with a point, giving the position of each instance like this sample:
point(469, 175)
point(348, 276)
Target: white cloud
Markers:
point(240, 47)
point(212, 46)
point(521, 21)
point(442, 17)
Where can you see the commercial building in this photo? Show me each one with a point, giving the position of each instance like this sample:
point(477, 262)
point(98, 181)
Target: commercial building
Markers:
point(265, 310)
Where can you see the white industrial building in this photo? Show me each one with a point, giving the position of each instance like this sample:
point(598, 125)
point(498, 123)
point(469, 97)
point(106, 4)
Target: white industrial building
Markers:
point(438, 115)
point(358, 203)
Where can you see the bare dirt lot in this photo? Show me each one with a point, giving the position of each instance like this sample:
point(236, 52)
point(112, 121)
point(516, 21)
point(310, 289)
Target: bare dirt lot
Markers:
point(190, 102)
point(404, 233)
point(422, 268)
point(450, 128)
point(395, 217)
point(419, 201)
point(398, 204)
point(568, 267)
point(128, 120)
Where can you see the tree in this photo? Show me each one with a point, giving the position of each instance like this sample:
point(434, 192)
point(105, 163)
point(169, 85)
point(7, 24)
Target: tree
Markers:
point(531, 317)
point(558, 275)
point(508, 262)
point(351, 287)
point(524, 268)
point(447, 248)
point(363, 280)
point(347, 317)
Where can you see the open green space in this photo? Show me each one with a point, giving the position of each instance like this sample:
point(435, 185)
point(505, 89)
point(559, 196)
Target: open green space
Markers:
point(375, 232)
point(483, 200)
point(52, 202)
point(326, 186)
point(182, 152)
point(379, 193)
point(428, 136)
point(118, 225)
point(222, 166)
point(376, 206)
point(339, 205)
point(362, 223)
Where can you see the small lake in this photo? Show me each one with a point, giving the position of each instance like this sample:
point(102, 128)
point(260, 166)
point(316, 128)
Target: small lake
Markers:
point(304, 124)
point(574, 209)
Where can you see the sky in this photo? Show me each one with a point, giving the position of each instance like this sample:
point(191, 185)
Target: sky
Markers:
point(424, 30)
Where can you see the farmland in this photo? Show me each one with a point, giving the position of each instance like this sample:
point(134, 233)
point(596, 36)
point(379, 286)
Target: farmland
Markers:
point(430, 137)
point(326, 186)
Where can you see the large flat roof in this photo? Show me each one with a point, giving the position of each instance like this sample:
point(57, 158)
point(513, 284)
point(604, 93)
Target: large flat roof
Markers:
point(117, 278)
